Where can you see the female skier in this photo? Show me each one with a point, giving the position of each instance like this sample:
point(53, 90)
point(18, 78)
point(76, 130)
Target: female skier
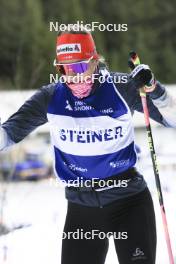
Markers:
point(90, 117)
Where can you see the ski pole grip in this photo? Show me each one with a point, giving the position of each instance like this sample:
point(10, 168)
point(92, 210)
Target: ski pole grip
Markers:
point(133, 62)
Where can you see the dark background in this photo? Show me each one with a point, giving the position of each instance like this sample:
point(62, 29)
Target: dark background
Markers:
point(27, 47)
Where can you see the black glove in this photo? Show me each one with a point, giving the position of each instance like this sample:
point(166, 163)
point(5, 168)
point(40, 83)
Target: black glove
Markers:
point(143, 77)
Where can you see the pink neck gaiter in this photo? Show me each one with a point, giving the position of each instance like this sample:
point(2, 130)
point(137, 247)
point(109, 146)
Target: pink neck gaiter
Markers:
point(82, 89)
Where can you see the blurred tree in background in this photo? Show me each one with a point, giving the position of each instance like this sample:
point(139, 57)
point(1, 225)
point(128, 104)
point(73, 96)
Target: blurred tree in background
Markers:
point(27, 47)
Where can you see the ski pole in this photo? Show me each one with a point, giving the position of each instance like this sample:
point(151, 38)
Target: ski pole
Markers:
point(133, 62)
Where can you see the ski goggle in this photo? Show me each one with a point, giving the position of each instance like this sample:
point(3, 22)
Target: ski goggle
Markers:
point(75, 67)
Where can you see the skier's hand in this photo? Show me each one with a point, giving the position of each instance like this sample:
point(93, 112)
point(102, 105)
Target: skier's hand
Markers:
point(143, 77)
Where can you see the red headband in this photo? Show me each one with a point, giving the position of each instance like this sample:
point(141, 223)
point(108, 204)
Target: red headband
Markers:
point(75, 47)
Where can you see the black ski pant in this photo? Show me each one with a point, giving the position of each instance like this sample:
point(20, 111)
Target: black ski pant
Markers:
point(131, 222)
